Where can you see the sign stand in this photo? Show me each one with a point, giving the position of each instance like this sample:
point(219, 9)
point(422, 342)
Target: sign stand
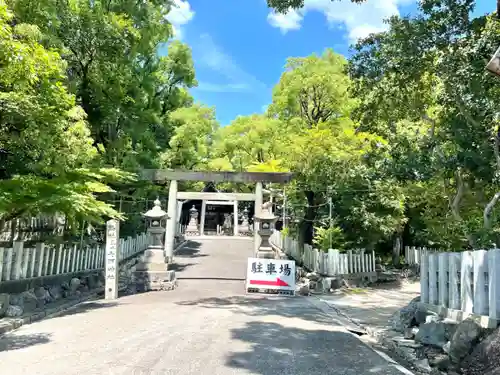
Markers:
point(271, 276)
point(111, 265)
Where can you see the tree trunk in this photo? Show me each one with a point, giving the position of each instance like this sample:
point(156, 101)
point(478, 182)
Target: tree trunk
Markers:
point(397, 245)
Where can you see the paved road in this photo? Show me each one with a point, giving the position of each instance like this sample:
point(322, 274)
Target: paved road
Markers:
point(206, 326)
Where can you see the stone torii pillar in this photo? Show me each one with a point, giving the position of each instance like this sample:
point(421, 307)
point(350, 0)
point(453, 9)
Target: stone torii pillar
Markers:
point(235, 210)
point(171, 222)
point(258, 209)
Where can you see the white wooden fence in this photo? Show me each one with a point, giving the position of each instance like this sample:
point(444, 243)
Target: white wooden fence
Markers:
point(468, 281)
point(331, 263)
point(19, 262)
point(414, 255)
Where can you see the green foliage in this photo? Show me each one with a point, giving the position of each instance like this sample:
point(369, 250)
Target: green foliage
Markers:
point(329, 238)
point(283, 6)
point(60, 157)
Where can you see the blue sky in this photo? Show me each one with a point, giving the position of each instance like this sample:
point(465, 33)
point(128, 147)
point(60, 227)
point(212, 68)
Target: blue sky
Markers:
point(240, 47)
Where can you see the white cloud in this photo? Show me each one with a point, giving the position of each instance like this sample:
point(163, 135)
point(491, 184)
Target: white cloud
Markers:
point(285, 22)
point(213, 57)
point(180, 14)
point(359, 20)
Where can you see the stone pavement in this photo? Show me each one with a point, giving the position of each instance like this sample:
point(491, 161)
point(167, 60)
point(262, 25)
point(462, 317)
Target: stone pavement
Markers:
point(208, 325)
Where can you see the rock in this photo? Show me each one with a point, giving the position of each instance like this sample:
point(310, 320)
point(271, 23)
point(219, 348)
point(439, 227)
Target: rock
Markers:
point(464, 338)
point(485, 358)
point(421, 316)
point(92, 281)
point(337, 283)
point(446, 347)
point(4, 304)
point(405, 317)
point(313, 276)
point(56, 292)
point(423, 365)
point(408, 333)
point(30, 301)
point(14, 311)
point(83, 288)
point(302, 290)
point(354, 282)
point(432, 319)
point(435, 334)
point(74, 284)
point(43, 295)
point(379, 267)
point(441, 361)
point(16, 299)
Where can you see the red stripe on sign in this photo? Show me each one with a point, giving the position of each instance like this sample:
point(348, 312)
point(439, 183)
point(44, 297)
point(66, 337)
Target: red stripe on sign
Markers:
point(277, 282)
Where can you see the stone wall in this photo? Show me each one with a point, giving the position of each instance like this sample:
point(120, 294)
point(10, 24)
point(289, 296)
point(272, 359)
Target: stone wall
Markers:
point(25, 297)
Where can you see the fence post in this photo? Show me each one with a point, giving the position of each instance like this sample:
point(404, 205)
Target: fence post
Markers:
point(480, 262)
point(424, 279)
point(494, 283)
point(18, 247)
point(53, 254)
point(8, 263)
point(466, 270)
point(454, 264)
point(433, 280)
point(350, 268)
point(443, 279)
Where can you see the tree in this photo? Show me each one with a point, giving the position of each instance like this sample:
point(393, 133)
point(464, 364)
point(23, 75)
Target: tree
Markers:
point(125, 87)
point(283, 6)
point(47, 153)
point(429, 71)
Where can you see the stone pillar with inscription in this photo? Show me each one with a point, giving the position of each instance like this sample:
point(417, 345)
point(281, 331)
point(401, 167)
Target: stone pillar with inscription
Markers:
point(112, 252)
point(192, 228)
point(171, 222)
point(152, 273)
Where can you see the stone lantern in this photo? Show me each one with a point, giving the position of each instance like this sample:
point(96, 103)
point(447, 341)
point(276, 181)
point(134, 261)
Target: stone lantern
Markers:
point(192, 228)
point(156, 224)
point(245, 226)
point(151, 272)
point(266, 226)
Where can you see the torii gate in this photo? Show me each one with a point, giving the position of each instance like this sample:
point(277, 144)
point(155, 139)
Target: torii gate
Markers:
point(162, 175)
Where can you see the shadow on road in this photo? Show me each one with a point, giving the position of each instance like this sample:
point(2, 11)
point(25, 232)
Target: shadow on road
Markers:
point(213, 278)
point(179, 267)
point(14, 342)
point(17, 340)
point(86, 307)
point(279, 349)
point(190, 250)
point(261, 306)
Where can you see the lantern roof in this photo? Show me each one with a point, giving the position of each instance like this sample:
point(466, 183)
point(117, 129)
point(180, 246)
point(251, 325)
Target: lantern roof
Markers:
point(265, 215)
point(156, 212)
